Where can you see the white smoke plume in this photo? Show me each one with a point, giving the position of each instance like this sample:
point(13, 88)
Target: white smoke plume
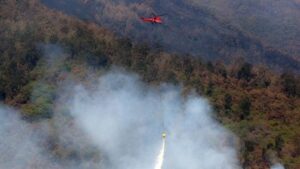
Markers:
point(18, 144)
point(126, 118)
point(26, 145)
point(277, 166)
point(117, 124)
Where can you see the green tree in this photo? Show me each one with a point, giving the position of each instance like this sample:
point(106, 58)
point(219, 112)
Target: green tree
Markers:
point(209, 89)
point(245, 107)
point(289, 84)
point(245, 72)
point(2, 95)
point(279, 143)
point(187, 67)
point(210, 67)
point(249, 145)
point(227, 102)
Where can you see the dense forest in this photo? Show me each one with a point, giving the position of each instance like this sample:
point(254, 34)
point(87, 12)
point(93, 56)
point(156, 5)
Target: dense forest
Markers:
point(260, 106)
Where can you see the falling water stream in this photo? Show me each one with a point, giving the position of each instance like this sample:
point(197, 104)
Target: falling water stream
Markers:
point(160, 157)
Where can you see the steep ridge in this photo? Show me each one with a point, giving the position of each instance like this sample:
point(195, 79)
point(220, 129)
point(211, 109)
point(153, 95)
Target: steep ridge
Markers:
point(191, 28)
point(258, 105)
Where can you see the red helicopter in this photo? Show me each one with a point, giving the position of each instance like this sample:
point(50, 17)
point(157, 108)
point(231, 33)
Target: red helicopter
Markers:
point(155, 19)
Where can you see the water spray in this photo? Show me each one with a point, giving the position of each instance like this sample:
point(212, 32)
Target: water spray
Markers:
point(160, 157)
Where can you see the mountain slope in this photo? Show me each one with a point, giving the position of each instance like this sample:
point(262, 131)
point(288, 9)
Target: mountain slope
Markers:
point(197, 29)
point(274, 22)
point(260, 106)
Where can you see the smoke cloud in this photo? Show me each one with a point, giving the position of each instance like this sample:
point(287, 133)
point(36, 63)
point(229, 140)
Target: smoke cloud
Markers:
point(277, 166)
point(31, 146)
point(117, 123)
point(19, 146)
point(126, 118)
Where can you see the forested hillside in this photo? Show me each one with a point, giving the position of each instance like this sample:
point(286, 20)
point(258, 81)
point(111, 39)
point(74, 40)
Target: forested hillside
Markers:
point(260, 32)
point(274, 22)
point(258, 105)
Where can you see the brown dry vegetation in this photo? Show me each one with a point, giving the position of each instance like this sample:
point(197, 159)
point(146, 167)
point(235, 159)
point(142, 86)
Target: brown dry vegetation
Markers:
point(261, 107)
